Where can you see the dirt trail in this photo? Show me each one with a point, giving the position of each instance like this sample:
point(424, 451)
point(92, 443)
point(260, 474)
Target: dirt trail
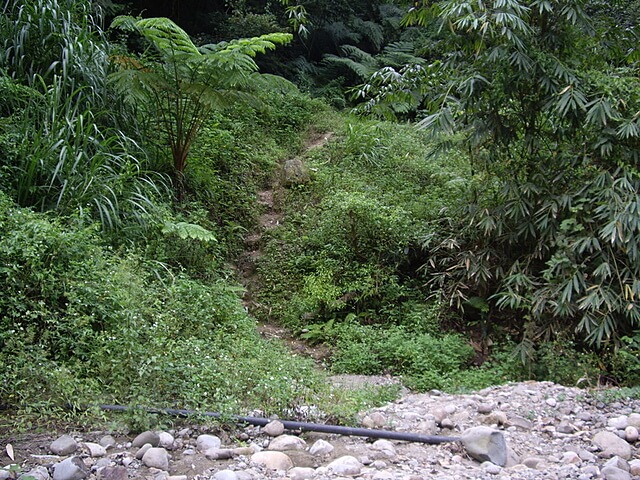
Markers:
point(272, 217)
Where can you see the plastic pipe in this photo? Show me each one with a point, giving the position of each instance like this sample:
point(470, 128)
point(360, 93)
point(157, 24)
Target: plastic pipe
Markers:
point(302, 426)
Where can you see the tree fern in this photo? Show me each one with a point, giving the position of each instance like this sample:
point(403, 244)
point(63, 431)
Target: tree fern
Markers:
point(356, 61)
point(181, 84)
point(369, 31)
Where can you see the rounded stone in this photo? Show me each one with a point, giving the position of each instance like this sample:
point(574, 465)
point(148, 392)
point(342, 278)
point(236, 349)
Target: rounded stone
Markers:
point(107, 441)
point(113, 473)
point(611, 445)
point(619, 423)
point(634, 420)
point(64, 445)
point(301, 473)
point(491, 468)
point(631, 434)
point(143, 449)
point(384, 446)
point(156, 457)
point(146, 437)
point(614, 473)
point(273, 460)
point(205, 442)
point(37, 473)
point(571, 457)
point(274, 428)
point(321, 448)
point(287, 442)
point(485, 444)
point(219, 453)
point(346, 465)
point(95, 449)
point(165, 440)
point(225, 475)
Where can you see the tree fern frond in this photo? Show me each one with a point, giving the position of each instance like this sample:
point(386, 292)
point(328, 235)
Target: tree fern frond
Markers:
point(166, 36)
point(267, 82)
point(249, 46)
point(189, 231)
point(361, 70)
point(358, 55)
point(369, 31)
point(340, 33)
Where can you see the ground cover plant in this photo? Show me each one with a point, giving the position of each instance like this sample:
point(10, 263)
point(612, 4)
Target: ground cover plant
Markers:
point(115, 292)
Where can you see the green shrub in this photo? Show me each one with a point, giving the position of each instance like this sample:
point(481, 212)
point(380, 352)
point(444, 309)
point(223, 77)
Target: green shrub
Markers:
point(624, 362)
point(425, 361)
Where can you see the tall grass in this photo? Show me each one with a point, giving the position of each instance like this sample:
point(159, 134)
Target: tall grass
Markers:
point(46, 39)
point(67, 162)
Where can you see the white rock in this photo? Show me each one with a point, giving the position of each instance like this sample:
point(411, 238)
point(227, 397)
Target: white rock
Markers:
point(491, 468)
point(613, 473)
point(301, 473)
point(346, 465)
point(619, 423)
point(225, 475)
point(374, 420)
point(618, 462)
point(273, 460)
point(146, 437)
point(274, 428)
point(107, 441)
point(385, 447)
point(634, 467)
point(37, 473)
point(571, 457)
point(631, 434)
point(287, 442)
point(72, 468)
point(205, 442)
point(611, 445)
point(485, 444)
point(143, 449)
point(95, 449)
point(219, 453)
point(64, 445)
point(156, 457)
point(634, 420)
point(166, 440)
point(320, 448)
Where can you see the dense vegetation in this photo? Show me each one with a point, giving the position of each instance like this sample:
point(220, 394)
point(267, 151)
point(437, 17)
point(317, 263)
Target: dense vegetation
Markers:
point(473, 218)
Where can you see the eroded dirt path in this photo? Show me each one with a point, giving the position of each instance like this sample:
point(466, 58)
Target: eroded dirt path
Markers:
point(272, 216)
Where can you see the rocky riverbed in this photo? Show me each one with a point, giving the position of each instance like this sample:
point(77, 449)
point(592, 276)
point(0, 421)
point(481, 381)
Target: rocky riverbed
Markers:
point(533, 430)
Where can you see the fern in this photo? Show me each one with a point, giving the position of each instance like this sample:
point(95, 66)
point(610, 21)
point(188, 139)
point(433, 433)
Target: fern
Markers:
point(356, 61)
point(189, 231)
point(187, 83)
point(370, 31)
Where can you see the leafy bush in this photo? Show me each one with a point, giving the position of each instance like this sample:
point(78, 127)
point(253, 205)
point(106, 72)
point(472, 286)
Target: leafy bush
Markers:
point(425, 361)
point(78, 323)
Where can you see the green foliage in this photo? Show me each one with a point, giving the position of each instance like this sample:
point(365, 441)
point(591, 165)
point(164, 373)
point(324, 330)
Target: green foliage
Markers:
point(44, 40)
point(180, 85)
point(349, 236)
point(80, 324)
point(425, 361)
point(624, 362)
point(555, 140)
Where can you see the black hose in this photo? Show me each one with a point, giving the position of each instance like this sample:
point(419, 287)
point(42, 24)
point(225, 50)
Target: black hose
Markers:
point(301, 426)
